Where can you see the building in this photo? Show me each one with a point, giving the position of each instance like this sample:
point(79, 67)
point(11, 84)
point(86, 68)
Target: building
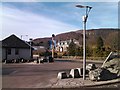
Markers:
point(15, 48)
point(62, 46)
point(38, 50)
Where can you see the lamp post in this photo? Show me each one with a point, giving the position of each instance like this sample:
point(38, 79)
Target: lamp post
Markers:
point(30, 47)
point(23, 35)
point(53, 46)
point(88, 8)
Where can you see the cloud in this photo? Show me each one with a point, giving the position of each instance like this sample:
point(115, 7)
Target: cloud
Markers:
point(20, 23)
point(19, 0)
point(60, 0)
point(43, 19)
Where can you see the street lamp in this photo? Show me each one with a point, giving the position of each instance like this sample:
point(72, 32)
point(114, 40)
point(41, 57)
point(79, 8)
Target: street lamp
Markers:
point(30, 47)
point(53, 46)
point(88, 8)
point(23, 35)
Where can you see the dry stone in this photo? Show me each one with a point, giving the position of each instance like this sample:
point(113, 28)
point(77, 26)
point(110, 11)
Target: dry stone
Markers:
point(113, 66)
point(94, 75)
point(109, 70)
point(101, 74)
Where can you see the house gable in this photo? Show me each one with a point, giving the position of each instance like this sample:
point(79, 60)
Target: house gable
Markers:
point(14, 42)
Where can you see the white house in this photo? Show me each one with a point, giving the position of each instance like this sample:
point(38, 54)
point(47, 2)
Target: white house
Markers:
point(62, 46)
point(15, 48)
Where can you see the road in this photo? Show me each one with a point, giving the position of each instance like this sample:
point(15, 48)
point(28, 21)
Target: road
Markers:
point(25, 75)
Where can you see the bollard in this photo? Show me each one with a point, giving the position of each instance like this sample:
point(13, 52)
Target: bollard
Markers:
point(62, 75)
point(80, 71)
point(75, 73)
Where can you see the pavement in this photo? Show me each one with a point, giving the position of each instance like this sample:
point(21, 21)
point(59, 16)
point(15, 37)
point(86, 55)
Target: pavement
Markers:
point(79, 82)
point(80, 60)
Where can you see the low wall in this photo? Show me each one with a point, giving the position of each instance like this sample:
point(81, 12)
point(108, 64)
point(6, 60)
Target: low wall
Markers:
point(78, 57)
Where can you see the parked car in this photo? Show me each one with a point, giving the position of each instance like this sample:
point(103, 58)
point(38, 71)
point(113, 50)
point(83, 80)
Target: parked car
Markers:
point(46, 59)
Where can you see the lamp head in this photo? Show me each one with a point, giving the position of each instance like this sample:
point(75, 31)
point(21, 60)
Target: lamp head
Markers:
point(30, 39)
point(53, 35)
point(81, 6)
point(89, 7)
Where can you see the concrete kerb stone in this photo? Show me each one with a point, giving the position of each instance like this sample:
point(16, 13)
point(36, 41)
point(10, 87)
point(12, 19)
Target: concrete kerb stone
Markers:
point(80, 71)
point(75, 73)
point(62, 75)
point(102, 83)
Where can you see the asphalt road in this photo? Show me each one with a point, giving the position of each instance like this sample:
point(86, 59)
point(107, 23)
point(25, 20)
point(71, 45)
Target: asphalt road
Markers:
point(24, 75)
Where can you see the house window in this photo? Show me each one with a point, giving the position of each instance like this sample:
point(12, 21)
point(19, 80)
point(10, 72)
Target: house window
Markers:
point(16, 51)
point(9, 51)
point(61, 49)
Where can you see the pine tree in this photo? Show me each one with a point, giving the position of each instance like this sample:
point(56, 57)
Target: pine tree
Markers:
point(99, 48)
point(72, 48)
point(100, 43)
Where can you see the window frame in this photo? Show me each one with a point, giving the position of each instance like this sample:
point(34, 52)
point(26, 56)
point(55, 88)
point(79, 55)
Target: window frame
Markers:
point(16, 51)
point(9, 51)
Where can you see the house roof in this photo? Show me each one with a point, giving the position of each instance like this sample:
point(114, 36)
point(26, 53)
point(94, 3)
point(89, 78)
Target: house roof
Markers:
point(14, 42)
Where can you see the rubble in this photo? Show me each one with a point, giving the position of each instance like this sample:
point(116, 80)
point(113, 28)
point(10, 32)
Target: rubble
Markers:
point(101, 74)
point(113, 66)
point(109, 70)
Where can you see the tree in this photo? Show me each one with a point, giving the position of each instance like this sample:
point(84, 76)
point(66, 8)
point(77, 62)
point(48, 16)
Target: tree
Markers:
point(98, 51)
point(79, 51)
point(114, 41)
point(72, 48)
point(88, 51)
point(100, 43)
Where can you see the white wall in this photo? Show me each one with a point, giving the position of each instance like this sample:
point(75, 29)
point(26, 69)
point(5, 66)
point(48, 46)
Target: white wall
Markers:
point(23, 53)
point(12, 55)
point(3, 53)
point(0, 54)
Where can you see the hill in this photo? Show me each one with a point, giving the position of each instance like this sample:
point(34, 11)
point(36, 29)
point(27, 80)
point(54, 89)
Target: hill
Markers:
point(106, 33)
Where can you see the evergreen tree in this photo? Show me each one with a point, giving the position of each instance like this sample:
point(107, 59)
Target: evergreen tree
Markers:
point(100, 43)
point(88, 51)
point(72, 48)
point(79, 51)
point(99, 49)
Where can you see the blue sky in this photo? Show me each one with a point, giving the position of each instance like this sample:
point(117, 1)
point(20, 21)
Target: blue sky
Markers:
point(42, 19)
